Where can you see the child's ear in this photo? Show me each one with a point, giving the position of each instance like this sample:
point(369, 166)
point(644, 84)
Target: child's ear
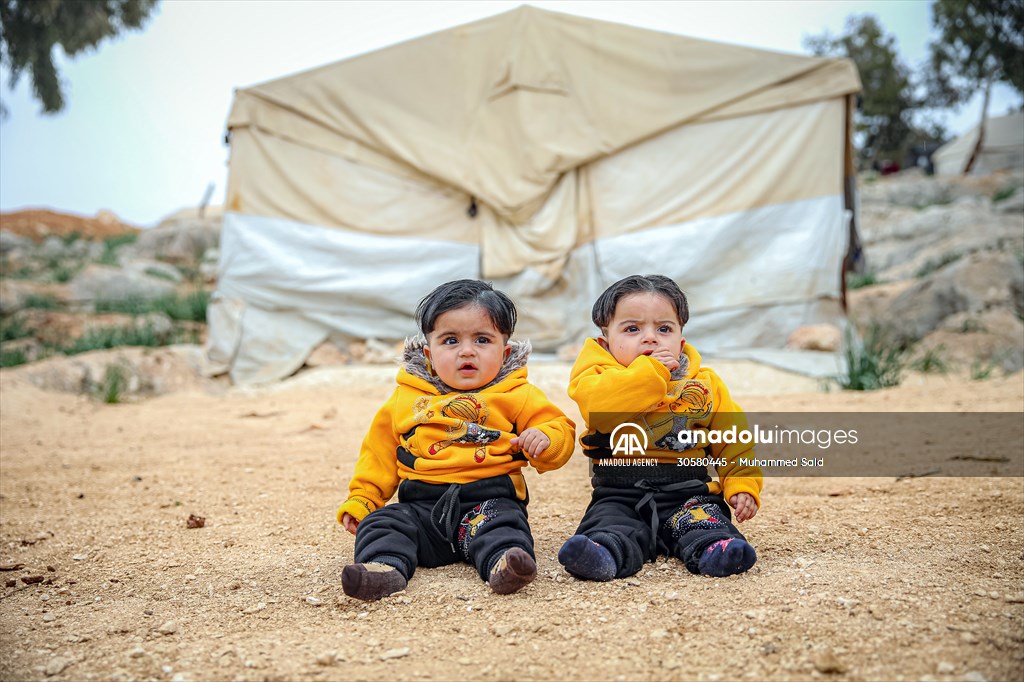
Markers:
point(603, 342)
point(508, 350)
point(430, 368)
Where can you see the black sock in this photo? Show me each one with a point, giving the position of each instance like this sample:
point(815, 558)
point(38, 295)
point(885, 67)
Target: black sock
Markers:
point(586, 559)
point(727, 557)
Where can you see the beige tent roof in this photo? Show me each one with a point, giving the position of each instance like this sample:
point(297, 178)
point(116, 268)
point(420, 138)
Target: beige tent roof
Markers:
point(502, 107)
point(1001, 149)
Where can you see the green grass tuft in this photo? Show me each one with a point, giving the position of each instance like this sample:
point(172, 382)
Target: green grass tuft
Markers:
point(1003, 193)
point(42, 302)
point(12, 358)
point(931, 362)
point(931, 266)
point(12, 328)
point(190, 307)
point(859, 281)
point(115, 381)
point(113, 337)
point(871, 363)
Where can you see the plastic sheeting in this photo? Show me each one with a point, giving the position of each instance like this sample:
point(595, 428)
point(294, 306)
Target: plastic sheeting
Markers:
point(751, 278)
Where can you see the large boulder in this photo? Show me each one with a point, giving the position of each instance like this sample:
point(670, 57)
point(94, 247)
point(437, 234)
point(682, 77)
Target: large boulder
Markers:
point(973, 284)
point(99, 282)
point(10, 241)
point(992, 339)
point(143, 371)
point(179, 240)
point(901, 244)
point(16, 293)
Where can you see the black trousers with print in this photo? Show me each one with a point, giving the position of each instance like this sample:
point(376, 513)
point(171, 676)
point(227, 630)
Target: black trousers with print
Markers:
point(638, 521)
point(438, 524)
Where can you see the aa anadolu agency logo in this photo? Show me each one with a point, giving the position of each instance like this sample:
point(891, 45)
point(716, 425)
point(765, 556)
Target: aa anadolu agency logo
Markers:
point(629, 440)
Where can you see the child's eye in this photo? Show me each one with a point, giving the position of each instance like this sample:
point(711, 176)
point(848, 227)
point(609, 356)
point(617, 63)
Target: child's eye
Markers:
point(665, 329)
point(449, 340)
point(632, 328)
point(483, 339)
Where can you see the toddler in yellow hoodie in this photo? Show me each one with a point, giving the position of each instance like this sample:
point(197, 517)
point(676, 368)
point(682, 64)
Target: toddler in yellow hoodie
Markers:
point(641, 374)
point(452, 440)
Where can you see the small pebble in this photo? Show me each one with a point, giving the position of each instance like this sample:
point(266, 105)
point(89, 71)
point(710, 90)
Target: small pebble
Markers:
point(975, 676)
point(945, 668)
point(49, 617)
point(827, 662)
point(168, 628)
point(313, 601)
point(56, 666)
point(395, 653)
point(137, 652)
point(327, 659)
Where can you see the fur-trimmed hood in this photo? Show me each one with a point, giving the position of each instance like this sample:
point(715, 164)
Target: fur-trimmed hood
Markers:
point(415, 363)
point(683, 370)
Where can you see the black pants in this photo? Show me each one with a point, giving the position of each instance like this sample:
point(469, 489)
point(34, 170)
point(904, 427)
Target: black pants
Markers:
point(436, 525)
point(638, 521)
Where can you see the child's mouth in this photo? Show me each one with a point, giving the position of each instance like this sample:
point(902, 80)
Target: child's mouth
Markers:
point(467, 368)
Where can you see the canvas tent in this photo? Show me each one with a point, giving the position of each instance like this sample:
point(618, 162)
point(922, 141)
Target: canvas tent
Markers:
point(1002, 148)
point(549, 154)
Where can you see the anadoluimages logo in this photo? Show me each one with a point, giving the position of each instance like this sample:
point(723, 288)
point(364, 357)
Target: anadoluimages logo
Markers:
point(629, 439)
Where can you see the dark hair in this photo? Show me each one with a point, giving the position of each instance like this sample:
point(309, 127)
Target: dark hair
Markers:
point(604, 307)
point(463, 292)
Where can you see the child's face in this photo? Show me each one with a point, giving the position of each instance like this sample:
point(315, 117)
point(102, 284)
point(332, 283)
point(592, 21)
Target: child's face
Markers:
point(642, 324)
point(465, 348)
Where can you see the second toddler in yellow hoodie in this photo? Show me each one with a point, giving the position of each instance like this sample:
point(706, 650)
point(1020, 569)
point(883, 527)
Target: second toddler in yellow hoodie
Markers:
point(640, 381)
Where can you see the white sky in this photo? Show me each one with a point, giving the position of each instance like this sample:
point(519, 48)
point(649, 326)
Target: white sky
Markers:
point(142, 131)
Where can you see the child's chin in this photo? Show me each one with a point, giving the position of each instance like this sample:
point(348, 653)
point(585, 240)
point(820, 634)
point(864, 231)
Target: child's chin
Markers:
point(469, 383)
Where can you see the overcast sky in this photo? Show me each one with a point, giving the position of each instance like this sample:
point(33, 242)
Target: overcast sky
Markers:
point(143, 127)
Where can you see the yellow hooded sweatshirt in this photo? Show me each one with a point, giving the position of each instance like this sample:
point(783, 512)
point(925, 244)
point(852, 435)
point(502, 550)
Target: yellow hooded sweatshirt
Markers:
point(663, 403)
point(428, 432)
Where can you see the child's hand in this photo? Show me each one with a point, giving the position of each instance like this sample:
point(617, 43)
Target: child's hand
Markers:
point(532, 442)
point(744, 505)
point(349, 523)
point(667, 358)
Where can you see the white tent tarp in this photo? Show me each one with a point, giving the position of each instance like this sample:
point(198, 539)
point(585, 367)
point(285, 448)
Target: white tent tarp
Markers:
point(1002, 148)
point(589, 150)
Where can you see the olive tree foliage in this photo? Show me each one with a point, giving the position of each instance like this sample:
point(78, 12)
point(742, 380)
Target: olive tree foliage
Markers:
point(884, 108)
point(980, 43)
point(29, 30)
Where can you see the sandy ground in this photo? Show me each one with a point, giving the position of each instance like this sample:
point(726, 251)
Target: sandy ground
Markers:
point(857, 578)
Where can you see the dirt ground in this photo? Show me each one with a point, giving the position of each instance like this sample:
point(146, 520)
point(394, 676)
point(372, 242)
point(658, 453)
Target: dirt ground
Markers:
point(857, 578)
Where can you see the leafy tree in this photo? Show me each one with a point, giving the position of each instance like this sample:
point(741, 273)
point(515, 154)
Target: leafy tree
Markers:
point(886, 103)
point(29, 29)
point(981, 42)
